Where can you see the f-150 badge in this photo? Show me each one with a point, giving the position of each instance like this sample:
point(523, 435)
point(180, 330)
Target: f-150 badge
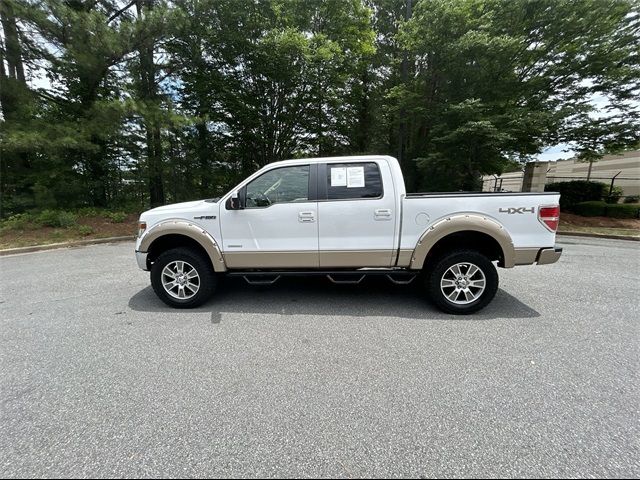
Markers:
point(521, 210)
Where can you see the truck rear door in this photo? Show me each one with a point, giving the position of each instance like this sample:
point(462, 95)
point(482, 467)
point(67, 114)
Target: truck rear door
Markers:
point(356, 214)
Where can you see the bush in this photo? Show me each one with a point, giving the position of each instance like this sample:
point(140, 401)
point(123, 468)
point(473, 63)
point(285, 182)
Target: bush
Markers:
point(89, 212)
point(577, 191)
point(84, 230)
point(591, 209)
point(623, 211)
point(56, 218)
point(616, 194)
point(19, 221)
point(116, 217)
point(632, 199)
point(602, 209)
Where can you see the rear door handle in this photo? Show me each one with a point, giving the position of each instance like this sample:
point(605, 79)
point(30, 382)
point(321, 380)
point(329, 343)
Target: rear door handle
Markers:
point(306, 217)
point(382, 214)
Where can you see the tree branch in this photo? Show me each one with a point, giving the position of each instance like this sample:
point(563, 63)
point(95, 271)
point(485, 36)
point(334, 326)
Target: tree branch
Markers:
point(121, 11)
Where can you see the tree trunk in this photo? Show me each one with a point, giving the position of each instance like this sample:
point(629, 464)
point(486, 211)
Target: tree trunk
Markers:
point(154, 149)
point(12, 81)
point(203, 156)
point(14, 97)
point(97, 169)
point(404, 75)
point(12, 42)
point(363, 134)
point(148, 93)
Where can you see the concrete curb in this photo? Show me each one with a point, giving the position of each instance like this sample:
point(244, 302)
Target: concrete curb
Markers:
point(76, 243)
point(600, 235)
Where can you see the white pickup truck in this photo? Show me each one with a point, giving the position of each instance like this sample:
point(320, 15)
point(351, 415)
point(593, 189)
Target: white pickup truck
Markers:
point(346, 218)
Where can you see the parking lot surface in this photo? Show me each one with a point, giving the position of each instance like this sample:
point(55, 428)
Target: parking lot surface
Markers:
point(304, 378)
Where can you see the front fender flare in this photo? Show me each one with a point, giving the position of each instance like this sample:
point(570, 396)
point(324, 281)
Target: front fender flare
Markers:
point(461, 223)
point(188, 229)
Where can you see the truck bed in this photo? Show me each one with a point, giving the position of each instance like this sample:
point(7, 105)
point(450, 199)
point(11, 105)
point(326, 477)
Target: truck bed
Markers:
point(474, 194)
point(517, 212)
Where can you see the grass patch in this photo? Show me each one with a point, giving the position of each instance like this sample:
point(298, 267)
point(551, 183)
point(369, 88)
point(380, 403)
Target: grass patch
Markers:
point(84, 230)
point(56, 226)
point(116, 217)
point(56, 218)
point(629, 232)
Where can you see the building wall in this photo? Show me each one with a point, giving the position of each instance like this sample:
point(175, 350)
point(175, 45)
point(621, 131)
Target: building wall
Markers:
point(626, 165)
point(508, 182)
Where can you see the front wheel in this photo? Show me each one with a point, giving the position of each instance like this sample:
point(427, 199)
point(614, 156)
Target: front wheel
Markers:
point(462, 282)
point(183, 278)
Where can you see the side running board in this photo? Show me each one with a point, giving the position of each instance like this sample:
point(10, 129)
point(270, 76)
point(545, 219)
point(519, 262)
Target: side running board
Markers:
point(346, 282)
point(339, 277)
point(265, 280)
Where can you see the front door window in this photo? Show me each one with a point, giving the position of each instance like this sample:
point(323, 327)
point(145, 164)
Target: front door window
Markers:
point(281, 185)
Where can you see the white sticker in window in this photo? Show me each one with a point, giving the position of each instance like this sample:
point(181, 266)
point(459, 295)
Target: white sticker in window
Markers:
point(338, 177)
point(355, 177)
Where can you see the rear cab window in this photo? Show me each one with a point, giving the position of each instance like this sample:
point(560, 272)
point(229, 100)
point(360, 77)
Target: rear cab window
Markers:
point(348, 181)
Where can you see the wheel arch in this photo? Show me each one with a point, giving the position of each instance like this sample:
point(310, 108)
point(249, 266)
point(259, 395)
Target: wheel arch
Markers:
point(179, 233)
point(465, 231)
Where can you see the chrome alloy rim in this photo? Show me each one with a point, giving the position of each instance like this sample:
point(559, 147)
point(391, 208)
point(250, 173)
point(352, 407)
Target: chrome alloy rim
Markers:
point(463, 283)
point(180, 280)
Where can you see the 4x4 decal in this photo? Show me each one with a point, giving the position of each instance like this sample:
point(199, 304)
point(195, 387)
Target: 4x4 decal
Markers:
point(514, 210)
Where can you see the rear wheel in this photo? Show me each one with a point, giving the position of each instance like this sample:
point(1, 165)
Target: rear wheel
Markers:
point(183, 278)
point(462, 282)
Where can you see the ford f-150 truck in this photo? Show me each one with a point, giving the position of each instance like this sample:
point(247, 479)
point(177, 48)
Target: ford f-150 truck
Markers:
point(346, 218)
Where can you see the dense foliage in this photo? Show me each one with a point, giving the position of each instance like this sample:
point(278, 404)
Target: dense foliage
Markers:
point(111, 102)
point(604, 209)
point(577, 191)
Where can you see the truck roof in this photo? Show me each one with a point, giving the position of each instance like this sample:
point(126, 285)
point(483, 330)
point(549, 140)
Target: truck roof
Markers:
point(345, 159)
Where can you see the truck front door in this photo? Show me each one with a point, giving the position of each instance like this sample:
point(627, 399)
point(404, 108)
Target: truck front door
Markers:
point(278, 228)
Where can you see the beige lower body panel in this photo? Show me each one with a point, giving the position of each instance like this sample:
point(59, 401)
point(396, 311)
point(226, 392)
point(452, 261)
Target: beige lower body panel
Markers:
point(355, 258)
point(543, 256)
point(549, 255)
point(325, 259)
point(271, 259)
point(404, 259)
point(526, 256)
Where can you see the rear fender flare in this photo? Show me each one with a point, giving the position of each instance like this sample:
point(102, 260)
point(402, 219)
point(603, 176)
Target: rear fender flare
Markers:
point(461, 223)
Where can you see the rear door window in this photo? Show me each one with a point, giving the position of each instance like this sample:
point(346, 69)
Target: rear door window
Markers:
point(353, 181)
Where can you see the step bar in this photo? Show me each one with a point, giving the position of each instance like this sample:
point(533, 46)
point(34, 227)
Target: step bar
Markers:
point(340, 277)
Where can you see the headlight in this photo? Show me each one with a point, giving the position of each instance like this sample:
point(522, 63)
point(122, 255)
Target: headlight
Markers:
point(142, 226)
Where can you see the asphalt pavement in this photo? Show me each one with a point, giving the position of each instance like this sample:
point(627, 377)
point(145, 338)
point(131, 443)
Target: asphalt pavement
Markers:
point(304, 378)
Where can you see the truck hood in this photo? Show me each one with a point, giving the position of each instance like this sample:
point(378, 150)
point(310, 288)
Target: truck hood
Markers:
point(186, 210)
point(175, 207)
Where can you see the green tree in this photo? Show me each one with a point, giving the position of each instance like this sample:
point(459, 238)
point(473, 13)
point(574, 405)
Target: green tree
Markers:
point(497, 80)
point(16, 103)
point(268, 80)
point(68, 130)
point(151, 18)
point(159, 100)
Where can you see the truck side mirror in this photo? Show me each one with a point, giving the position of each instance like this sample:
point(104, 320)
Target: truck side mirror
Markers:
point(234, 202)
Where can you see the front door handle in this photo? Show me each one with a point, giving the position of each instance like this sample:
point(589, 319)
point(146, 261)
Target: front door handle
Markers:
point(382, 214)
point(306, 217)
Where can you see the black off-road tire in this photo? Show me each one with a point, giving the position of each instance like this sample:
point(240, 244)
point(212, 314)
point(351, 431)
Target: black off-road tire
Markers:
point(440, 266)
point(201, 264)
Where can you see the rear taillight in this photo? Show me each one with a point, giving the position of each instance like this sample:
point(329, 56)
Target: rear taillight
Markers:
point(549, 217)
